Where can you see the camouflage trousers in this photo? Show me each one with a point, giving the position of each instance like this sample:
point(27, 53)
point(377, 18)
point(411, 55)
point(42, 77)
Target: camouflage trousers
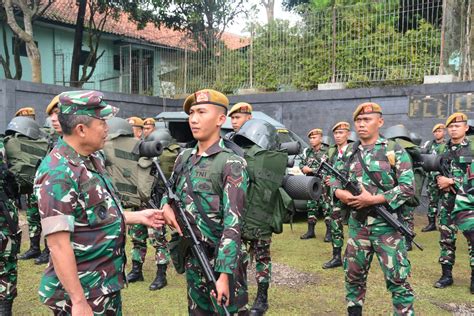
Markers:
point(9, 249)
point(337, 230)
point(33, 217)
point(434, 196)
point(465, 222)
point(157, 237)
point(447, 229)
point(260, 249)
point(200, 300)
point(321, 205)
point(389, 247)
point(109, 305)
point(408, 216)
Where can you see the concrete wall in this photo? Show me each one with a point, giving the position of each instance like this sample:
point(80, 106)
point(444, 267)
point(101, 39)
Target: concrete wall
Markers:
point(299, 111)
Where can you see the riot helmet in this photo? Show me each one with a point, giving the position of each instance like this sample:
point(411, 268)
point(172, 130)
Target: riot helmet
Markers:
point(397, 131)
point(119, 127)
point(161, 134)
point(25, 126)
point(258, 132)
point(415, 138)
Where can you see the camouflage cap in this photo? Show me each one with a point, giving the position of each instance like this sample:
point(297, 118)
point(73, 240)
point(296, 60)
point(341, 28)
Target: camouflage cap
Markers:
point(367, 108)
point(456, 117)
point(205, 96)
point(27, 111)
point(341, 125)
point(135, 121)
point(438, 126)
point(315, 131)
point(88, 102)
point(54, 102)
point(241, 107)
point(149, 121)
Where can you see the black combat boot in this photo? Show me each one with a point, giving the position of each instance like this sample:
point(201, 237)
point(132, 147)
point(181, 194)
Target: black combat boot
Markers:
point(446, 278)
point(409, 245)
point(472, 281)
point(160, 279)
point(34, 250)
point(136, 274)
point(44, 257)
point(310, 233)
point(336, 260)
point(260, 305)
point(328, 237)
point(354, 311)
point(6, 307)
point(431, 225)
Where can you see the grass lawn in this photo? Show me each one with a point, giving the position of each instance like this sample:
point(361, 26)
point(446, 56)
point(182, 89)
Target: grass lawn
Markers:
point(314, 291)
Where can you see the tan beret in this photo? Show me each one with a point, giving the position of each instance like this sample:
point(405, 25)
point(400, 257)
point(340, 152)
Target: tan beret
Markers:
point(456, 117)
point(315, 131)
point(205, 96)
point(28, 111)
point(367, 108)
point(149, 121)
point(241, 107)
point(341, 125)
point(135, 121)
point(54, 102)
point(437, 126)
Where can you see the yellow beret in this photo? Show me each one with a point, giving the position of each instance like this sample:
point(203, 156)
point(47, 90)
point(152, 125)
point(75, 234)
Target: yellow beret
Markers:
point(440, 125)
point(54, 102)
point(367, 108)
point(241, 107)
point(135, 121)
point(315, 131)
point(342, 125)
point(456, 117)
point(149, 121)
point(28, 111)
point(205, 96)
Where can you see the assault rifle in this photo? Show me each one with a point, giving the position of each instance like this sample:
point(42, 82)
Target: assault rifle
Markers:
point(197, 247)
point(354, 188)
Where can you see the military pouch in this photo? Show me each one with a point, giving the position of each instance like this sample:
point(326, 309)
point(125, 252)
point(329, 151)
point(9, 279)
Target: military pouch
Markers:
point(179, 249)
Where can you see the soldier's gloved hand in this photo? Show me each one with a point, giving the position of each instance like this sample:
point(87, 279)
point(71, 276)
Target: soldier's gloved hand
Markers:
point(222, 287)
point(170, 218)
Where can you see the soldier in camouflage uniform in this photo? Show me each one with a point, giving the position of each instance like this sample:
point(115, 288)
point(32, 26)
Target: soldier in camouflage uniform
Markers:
point(463, 215)
point(32, 212)
point(434, 147)
point(341, 132)
point(10, 236)
point(81, 213)
point(218, 223)
point(368, 233)
point(140, 233)
point(137, 125)
point(456, 150)
point(308, 165)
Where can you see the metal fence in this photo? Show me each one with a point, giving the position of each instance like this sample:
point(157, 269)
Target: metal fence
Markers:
point(374, 43)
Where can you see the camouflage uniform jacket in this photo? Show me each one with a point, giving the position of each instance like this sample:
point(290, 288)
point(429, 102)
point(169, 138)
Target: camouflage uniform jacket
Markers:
point(399, 179)
point(311, 157)
point(463, 213)
point(76, 195)
point(225, 211)
point(457, 154)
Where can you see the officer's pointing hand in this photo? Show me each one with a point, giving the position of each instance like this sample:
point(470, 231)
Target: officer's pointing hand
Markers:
point(170, 218)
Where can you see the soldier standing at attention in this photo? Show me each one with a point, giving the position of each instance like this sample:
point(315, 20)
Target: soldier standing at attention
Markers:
point(148, 127)
point(341, 132)
point(457, 150)
point(137, 125)
point(216, 211)
point(434, 147)
point(10, 236)
point(81, 213)
point(308, 165)
point(370, 164)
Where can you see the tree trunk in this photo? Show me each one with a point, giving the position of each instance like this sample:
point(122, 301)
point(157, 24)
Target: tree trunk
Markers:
point(78, 36)
point(270, 8)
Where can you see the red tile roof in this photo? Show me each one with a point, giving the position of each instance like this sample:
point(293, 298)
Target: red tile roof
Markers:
point(65, 11)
